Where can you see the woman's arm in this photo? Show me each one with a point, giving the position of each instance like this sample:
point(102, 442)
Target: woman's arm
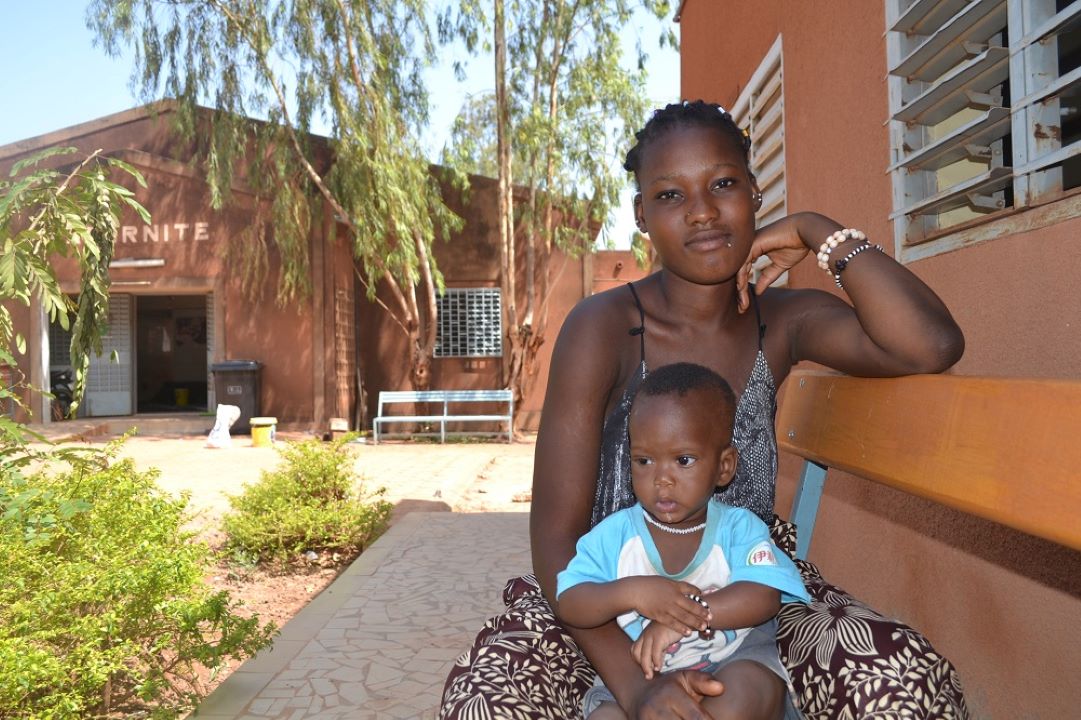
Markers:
point(582, 374)
point(896, 324)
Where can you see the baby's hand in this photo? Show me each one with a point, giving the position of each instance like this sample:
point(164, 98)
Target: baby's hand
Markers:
point(665, 602)
point(652, 645)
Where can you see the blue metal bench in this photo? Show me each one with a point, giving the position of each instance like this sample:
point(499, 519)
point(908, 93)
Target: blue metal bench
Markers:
point(454, 408)
point(1005, 449)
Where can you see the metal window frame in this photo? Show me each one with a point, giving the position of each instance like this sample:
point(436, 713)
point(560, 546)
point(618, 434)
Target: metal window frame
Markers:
point(956, 29)
point(764, 122)
point(473, 317)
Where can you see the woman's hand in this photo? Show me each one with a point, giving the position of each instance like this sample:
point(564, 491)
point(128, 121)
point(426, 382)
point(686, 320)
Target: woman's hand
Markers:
point(651, 647)
point(665, 602)
point(676, 694)
point(786, 242)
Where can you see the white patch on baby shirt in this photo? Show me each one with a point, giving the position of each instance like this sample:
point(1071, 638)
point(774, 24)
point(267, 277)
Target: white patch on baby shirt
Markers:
point(761, 554)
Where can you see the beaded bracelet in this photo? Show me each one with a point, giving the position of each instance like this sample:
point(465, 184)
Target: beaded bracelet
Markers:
point(706, 634)
point(833, 241)
point(843, 262)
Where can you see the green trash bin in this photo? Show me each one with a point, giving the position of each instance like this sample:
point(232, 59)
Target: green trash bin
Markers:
point(237, 382)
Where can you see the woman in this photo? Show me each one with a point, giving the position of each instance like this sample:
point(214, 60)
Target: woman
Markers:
point(697, 201)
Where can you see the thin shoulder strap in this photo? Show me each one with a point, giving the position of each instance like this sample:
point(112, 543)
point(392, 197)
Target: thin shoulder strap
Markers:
point(757, 315)
point(640, 331)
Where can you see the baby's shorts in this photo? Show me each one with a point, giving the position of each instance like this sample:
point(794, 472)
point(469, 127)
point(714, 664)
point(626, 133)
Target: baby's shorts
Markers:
point(759, 645)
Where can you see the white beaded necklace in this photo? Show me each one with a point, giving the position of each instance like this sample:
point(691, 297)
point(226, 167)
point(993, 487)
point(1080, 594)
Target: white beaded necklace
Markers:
point(669, 528)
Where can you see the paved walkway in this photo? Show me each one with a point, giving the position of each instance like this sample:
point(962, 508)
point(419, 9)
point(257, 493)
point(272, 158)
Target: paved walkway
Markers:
point(378, 643)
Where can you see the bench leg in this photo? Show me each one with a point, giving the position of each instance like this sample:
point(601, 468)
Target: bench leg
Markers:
point(805, 506)
point(442, 431)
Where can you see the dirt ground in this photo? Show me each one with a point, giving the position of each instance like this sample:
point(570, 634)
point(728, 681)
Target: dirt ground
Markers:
point(457, 477)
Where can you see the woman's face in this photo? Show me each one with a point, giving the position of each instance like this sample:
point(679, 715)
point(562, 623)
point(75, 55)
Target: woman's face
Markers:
point(697, 203)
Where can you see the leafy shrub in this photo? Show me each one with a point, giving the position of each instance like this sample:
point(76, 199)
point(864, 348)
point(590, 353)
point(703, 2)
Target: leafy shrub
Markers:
point(103, 606)
point(311, 501)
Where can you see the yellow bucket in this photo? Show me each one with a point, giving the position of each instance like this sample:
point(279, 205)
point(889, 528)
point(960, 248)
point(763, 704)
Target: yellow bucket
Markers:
point(180, 397)
point(263, 431)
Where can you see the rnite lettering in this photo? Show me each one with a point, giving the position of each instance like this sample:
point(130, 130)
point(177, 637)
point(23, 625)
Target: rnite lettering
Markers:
point(165, 232)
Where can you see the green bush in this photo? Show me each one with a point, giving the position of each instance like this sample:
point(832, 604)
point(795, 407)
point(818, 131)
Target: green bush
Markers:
point(311, 501)
point(103, 606)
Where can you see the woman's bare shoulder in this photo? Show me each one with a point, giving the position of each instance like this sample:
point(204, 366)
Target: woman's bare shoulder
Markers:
point(607, 314)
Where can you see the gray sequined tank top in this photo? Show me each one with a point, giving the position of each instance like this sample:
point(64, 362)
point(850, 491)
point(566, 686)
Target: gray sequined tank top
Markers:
point(754, 436)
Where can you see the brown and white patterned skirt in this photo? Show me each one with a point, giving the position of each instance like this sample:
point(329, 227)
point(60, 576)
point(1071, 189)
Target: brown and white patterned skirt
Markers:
point(846, 661)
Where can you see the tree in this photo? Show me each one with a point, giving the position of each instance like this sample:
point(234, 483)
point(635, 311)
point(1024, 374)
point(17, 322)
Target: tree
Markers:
point(565, 103)
point(354, 64)
point(46, 212)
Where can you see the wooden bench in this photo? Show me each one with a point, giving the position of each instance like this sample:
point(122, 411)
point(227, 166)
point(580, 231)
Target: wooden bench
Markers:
point(462, 399)
point(1004, 449)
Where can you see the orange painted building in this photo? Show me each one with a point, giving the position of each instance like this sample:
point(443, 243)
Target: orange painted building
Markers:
point(948, 131)
point(178, 307)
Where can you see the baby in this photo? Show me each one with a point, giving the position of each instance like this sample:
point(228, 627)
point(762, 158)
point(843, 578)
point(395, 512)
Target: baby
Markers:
point(695, 583)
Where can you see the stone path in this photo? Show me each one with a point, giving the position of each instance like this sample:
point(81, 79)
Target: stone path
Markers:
point(378, 643)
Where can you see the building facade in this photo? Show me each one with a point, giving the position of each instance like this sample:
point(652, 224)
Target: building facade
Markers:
point(179, 305)
point(948, 131)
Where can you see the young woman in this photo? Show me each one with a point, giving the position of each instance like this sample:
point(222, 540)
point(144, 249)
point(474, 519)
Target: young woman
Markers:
point(697, 202)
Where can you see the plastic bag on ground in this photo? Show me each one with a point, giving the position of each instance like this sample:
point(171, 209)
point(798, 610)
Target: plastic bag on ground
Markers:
point(219, 434)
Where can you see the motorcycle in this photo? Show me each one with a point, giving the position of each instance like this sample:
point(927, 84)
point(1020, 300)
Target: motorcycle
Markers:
point(60, 385)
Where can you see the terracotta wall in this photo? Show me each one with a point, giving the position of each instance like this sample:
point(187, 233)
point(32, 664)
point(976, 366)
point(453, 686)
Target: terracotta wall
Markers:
point(310, 348)
point(1003, 606)
point(470, 259)
point(193, 239)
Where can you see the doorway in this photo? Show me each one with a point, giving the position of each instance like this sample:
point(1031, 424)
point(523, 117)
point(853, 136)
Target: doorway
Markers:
point(171, 353)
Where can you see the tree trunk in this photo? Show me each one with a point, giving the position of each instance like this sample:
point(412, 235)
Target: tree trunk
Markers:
point(424, 348)
point(507, 256)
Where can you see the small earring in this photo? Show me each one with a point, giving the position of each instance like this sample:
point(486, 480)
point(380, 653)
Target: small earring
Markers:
point(757, 200)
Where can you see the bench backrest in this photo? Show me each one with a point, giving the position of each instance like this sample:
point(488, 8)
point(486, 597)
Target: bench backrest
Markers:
point(1004, 449)
point(411, 396)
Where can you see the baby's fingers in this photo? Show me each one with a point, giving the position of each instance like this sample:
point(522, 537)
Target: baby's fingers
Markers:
point(685, 617)
point(641, 655)
point(657, 656)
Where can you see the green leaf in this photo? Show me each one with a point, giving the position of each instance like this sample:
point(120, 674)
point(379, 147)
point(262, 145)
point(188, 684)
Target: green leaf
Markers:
point(39, 157)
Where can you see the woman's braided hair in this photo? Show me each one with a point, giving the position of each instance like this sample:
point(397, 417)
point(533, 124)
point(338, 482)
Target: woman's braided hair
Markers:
point(697, 112)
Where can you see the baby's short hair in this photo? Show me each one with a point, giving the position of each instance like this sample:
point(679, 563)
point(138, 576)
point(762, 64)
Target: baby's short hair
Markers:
point(684, 377)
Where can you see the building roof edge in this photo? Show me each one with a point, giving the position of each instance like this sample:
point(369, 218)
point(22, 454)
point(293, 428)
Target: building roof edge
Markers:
point(63, 135)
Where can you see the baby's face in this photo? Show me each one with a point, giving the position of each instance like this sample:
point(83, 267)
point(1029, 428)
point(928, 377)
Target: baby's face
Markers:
point(680, 453)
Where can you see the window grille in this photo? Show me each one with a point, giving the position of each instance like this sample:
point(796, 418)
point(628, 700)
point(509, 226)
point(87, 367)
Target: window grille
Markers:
point(759, 111)
point(59, 345)
point(470, 323)
point(985, 104)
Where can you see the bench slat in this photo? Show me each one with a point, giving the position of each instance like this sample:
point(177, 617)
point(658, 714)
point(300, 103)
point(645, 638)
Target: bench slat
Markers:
point(441, 418)
point(1003, 449)
point(444, 398)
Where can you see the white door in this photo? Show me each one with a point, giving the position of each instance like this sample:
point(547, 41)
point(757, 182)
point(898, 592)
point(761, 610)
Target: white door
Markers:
point(108, 383)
